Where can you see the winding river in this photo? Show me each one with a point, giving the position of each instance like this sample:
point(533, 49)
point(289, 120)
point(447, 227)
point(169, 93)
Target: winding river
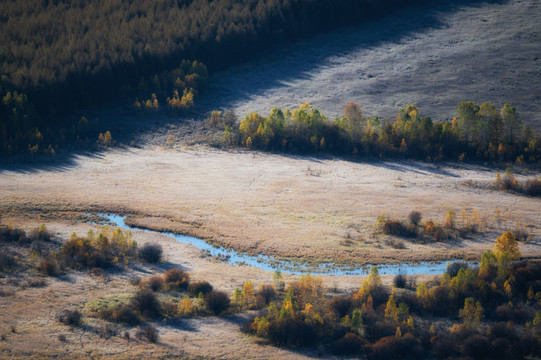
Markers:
point(270, 263)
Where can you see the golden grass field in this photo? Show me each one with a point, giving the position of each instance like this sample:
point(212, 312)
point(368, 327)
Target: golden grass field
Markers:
point(282, 205)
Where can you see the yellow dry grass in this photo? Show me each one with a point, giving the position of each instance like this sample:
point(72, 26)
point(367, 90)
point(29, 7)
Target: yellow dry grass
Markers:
point(286, 206)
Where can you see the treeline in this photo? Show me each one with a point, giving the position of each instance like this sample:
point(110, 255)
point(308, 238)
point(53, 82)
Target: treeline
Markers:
point(56, 56)
point(478, 132)
point(491, 311)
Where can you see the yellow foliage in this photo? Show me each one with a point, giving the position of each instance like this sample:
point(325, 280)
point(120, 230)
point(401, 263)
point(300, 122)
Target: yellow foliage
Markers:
point(248, 296)
point(449, 220)
point(391, 310)
point(185, 306)
point(410, 324)
point(507, 244)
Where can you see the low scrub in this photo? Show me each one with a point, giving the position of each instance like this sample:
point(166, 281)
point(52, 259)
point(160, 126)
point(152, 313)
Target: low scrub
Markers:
point(151, 253)
point(12, 235)
point(397, 228)
point(154, 283)
point(69, 317)
point(123, 314)
point(148, 332)
point(199, 287)
point(447, 318)
point(350, 344)
point(217, 302)
point(146, 303)
point(176, 279)
point(7, 260)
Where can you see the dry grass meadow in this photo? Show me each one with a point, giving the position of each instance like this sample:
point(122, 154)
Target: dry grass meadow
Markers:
point(281, 205)
point(262, 203)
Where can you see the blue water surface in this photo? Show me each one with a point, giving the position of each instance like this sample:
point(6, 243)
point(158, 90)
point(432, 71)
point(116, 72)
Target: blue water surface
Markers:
point(270, 263)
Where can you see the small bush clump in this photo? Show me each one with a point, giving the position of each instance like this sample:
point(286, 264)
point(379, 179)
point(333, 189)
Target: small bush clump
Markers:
point(199, 287)
point(176, 279)
point(415, 217)
point(400, 281)
point(102, 251)
point(397, 228)
point(69, 317)
point(217, 302)
point(154, 283)
point(341, 305)
point(533, 187)
point(151, 253)
point(146, 302)
point(350, 344)
point(395, 347)
point(267, 292)
point(10, 234)
point(149, 332)
point(125, 315)
point(49, 267)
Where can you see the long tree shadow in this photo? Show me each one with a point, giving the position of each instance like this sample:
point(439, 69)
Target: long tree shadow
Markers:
point(277, 68)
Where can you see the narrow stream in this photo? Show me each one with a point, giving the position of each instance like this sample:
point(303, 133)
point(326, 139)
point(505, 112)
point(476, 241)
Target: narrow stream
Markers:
point(270, 263)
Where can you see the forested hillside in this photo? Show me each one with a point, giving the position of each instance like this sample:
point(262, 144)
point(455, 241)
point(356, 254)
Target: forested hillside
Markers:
point(61, 55)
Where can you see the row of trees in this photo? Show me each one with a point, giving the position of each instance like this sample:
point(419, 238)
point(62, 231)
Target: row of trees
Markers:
point(65, 55)
point(478, 132)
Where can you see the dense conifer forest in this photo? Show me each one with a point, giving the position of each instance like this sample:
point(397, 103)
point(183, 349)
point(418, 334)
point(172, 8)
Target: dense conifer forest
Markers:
point(56, 56)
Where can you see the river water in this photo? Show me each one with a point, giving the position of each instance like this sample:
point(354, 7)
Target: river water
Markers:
point(270, 263)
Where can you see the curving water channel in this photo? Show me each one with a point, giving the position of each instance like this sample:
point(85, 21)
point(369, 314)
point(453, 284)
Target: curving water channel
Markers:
point(270, 263)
